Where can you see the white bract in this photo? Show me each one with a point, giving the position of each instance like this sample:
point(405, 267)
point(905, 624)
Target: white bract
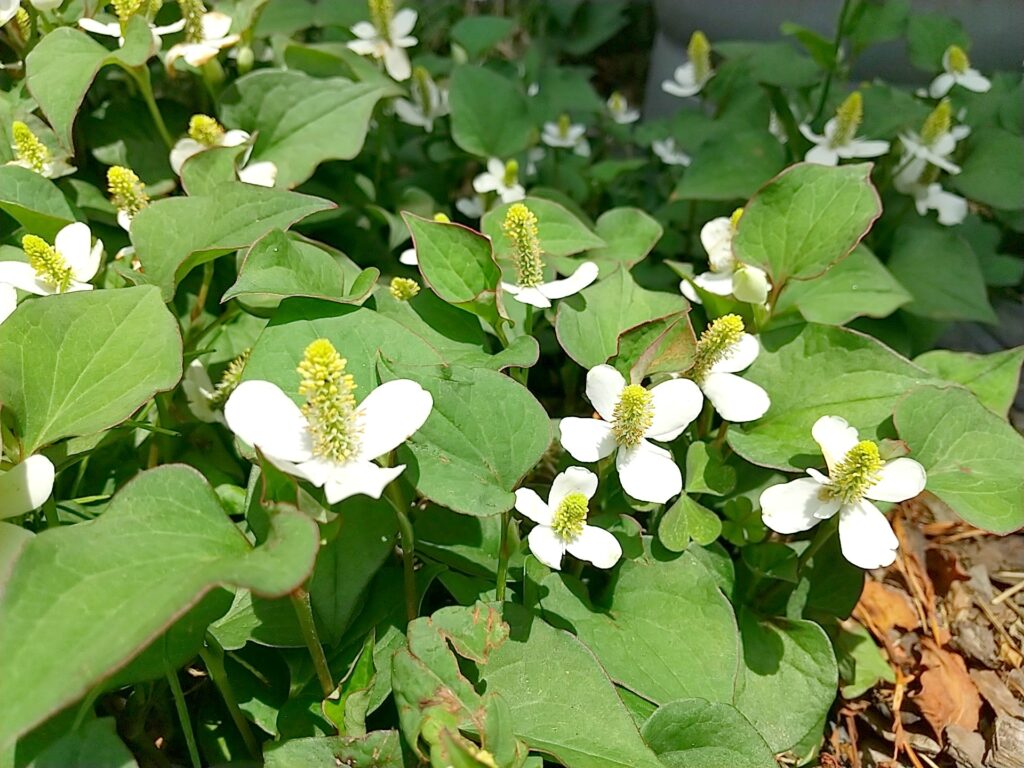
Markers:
point(113, 29)
point(929, 195)
point(840, 141)
point(204, 40)
point(331, 441)
point(9, 8)
point(200, 394)
point(631, 416)
point(25, 486)
point(64, 267)
point(8, 301)
point(723, 351)
point(501, 178)
point(429, 102)
point(727, 276)
point(857, 474)
point(565, 134)
point(620, 110)
point(957, 71)
point(386, 37)
point(203, 133)
point(471, 207)
point(669, 153)
point(690, 77)
point(260, 174)
point(562, 522)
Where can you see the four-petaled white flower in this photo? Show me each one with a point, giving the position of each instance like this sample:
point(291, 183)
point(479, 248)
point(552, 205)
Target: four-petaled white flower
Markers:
point(331, 441)
point(113, 29)
point(957, 71)
point(386, 37)
point(213, 37)
point(690, 77)
point(429, 102)
point(25, 486)
point(620, 110)
point(723, 351)
point(934, 147)
point(631, 416)
point(562, 522)
point(564, 134)
point(669, 153)
point(840, 141)
point(501, 178)
point(8, 301)
point(856, 474)
point(66, 266)
point(727, 276)
point(542, 294)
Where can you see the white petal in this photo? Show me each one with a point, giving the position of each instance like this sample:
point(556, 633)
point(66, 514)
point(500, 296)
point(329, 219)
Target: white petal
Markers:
point(864, 148)
point(112, 29)
point(513, 194)
point(739, 356)
point(866, 537)
point(529, 504)
point(198, 390)
point(124, 220)
point(811, 136)
point(973, 80)
point(716, 235)
point(182, 151)
point(22, 276)
point(586, 439)
point(233, 138)
point(83, 266)
point(8, 10)
point(74, 243)
point(736, 399)
point(360, 478)
point(572, 480)
point(364, 30)
point(686, 288)
point(531, 296)
point(25, 486)
point(8, 301)
point(410, 113)
point(197, 54)
point(408, 257)
point(648, 473)
point(750, 284)
point(496, 168)
point(795, 506)
point(585, 274)
point(265, 417)
point(403, 22)
point(396, 62)
point(604, 388)
point(261, 174)
point(168, 29)
point(952, 209)
point(547, 547)
point(822, 155)
point(597, 546)
point(486, 182)
point(941, 85)
point(898, 480)
point(366, 47)
point(836, 437)
point(677, 402)
point(718, 283)
point(390, 414)
point(215, 25)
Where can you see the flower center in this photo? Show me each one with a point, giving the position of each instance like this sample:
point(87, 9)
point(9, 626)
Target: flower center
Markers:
point(125, 9)
point(570, 517)
point(848, 118)
point(520, 227)
point(205, 130)
point(28, 148)
point(381, 13)
point(617, 103)
point(699, 51)
point(564, 124)
point(937, 123)
point(857, 472)
point(127, 192)
point(230, 379)
point(24, 22)
point(633, 415)
point(47, 262)
point(715, 344)
point(957, 59)
point(511, 176)
point(403, 289)
point(192, 12)
point(330, 405)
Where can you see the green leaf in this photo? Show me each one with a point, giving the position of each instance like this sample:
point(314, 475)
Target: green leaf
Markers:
point(974, 459)
point(205, 171)
point(35, 201)
point(858, 285)
point(731, 165)
point(484, 433)
point(91, 744)
point(173, 235)
point(162, 543)
point(789, 679)
point(478, 34)
point(821, 49)
point(706, 472)
point(778, 63)
point(62, 66)
point(928, 37)
point(78, 363)
point(490, 116)
point(663, 346)
point(590, 323)
point(861, 663)
point(992, 378)
point(377, 749)
point(629, 235)
point(820, 371)
point(686, 520)
point(956, 291)
point(807, 219)
point(696, 733)
point(992, 169)
point(455, 261)
point(560, 232)
point(673, 609)
point(301, 121)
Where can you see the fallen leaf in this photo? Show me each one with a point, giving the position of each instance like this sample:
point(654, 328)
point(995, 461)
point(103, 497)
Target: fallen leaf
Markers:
point(995, 692)
point(884, 607)
point(948, 696)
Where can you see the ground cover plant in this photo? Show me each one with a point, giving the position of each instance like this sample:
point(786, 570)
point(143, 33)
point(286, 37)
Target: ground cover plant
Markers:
point(377, 389)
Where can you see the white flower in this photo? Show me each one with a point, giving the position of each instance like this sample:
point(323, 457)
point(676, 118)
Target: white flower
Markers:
point(542, 294)
point(620, 110)
point(727, 276)
point(387, 39)
point(211, 39)
point(8, 301)
point(840, 141)
point(429, 102)
point(25, 486)
point(723, 351)
point(200, 394)
point(471, 207)
point(204, 133)
point(562, 522)
point(331, 441)
point(566, 135)
point(502, 178)
point(8, 8)
point(856, 474)
point(630, 417)
point(668, 153)
point(935, 149)
point(958, 71)
point(63, 267)
point(930, 196)
point(113, 29)
point(690, 77)
point(260, 174)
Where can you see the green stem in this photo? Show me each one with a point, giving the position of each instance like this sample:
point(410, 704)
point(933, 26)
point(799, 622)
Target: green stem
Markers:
point(141, 76)
point(304, 613)
point(183, 716)
point(408, 539)
point(835, 61)
point(785, 115)
point(50, 511)
point(723, 430)
point(503, 557)
point(213, 658)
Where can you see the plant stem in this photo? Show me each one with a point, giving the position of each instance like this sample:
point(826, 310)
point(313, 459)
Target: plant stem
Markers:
point(723, 429)
point(408, 538)
point(213, 658)
point(503, 557)
point(304, 612)
point(183, 716)
point(141, 75)
point(835, 61)
point(50, 512)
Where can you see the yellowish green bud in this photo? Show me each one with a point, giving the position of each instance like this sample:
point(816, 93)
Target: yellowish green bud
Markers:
point(564, 124)
point(245, 59)
point(848, 118)
point(205, 130)
point(734, 220)
point(856, 473)
point(127, 192)
point(403, 289)
point(570, 516)
point(192, 12)
point(24, 22)
point(381, 13)
point(330, 405)
point(715, 343)
point(616, 102)
point(28, 148)
point(750, 284)
point(699, 51)
point(956, 58)
point(47, 262)
point(511, 173)
point(442, 218)
point(937, 123)
point(520, 227)
point(230, 379)
point(633, 415)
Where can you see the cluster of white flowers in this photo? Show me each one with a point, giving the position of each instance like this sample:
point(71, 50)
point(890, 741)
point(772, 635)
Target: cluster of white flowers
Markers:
point(204, 132)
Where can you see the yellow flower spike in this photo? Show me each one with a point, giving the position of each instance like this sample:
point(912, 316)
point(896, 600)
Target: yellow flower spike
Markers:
point(330, 406)
point(734, 220)
point(24, 22)
point(957, 59)
point(420, 88)
point(520, 227)
point(230, 379)
point(570, 517)
point(616, 102)
point(699, 51)
point(848, 119)
point(856, 473)
point(381, 13)
point(564, 124)
point(403, 289)
point(125, 9)
point(937, 123)
point(205, 130)
point(47, 262)
point(28, 148)
point(192, 12)
point(633, 415)
point(714, 344)
point(441, 218)
point(127, 192)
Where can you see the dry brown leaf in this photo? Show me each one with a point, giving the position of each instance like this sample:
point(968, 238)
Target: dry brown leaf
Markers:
point(999, 697)
point(884, 607)
point(911, 563)
point(948, 695)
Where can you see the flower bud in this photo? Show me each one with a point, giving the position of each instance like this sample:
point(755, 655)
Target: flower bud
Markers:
point(750, 284)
